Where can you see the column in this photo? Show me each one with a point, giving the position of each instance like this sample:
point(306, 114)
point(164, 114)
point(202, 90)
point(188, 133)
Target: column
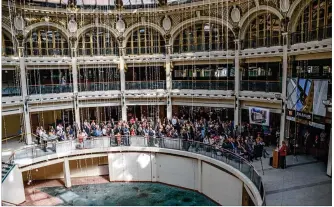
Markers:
point(24, 90)
point(155, 176)
point(329, 162)
point(75, 87)
point(199, 175)
point(122, 79)
point(168, 82)
point(168, 69)
point(110, 166)
point(67, 173)
point(237, 83)
point(283, 94)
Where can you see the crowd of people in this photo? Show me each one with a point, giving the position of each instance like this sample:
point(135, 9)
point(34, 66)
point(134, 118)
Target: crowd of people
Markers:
point(216, 133)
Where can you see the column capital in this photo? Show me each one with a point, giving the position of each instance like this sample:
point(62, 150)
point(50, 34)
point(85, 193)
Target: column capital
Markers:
point(168, 49)
point(122, 51)
point(20, 50)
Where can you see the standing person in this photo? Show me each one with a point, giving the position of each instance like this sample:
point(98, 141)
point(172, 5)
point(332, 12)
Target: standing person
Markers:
point(63, 83)
point(282, 155)
point(21, 134)
point(322, 139)
point(307, 141)
point(316, 146)
point(37, 136)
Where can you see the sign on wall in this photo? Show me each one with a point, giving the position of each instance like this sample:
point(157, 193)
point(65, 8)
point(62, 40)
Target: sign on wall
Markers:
point(259, 116)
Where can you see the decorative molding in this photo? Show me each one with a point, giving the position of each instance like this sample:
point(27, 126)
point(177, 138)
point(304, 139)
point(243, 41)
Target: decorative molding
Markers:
point(235, 14)
point(166, 23)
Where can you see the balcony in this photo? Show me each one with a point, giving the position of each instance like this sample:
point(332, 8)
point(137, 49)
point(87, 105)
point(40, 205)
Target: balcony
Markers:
point(47, 52)
point(138, 85)
point(50, 88)
point(203, 84)
point(265, 86)
point(313, 35)
point(264, 42)
point(11, 91)
point(98, 86)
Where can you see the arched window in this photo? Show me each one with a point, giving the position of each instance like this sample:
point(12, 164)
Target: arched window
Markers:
point(315, 22)
point(7, 45)
point(98, 41)
point(264, 31)
point(204, 36)
point(46, 42)
point(145, 40)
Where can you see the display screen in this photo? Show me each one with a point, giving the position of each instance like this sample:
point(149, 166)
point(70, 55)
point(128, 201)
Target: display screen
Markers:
point(306, 95)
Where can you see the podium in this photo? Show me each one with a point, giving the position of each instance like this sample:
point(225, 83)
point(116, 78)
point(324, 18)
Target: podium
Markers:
point(275, 158)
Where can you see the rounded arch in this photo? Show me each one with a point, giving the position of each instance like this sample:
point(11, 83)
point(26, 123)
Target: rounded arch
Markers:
point(249, 17)
point(252, 13)
point(9, 41)
point(294, 13)
point(176, 30)
point(294, 5)
point(128, 31)
point(105, 40)
point(84, 29)
point(11, 33)
point(62, 29)
point(8, 30)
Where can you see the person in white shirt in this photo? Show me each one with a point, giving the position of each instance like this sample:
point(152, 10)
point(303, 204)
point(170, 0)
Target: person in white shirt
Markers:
point(173, 121)
point(104, 131)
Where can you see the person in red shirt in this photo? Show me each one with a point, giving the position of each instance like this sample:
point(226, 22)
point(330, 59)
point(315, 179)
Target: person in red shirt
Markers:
point(282, 155)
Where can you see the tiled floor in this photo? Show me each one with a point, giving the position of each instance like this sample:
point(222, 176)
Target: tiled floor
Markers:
point(303, 183)
point(34, 197)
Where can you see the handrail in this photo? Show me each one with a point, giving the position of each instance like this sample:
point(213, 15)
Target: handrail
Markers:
point(261, 81)
point(146, 81)
point(99, 82)
point(11, 167)
point(59, 84)
point(214, 80)
point(232, 159)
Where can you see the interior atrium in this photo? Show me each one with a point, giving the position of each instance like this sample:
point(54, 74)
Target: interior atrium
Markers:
point(175, 100)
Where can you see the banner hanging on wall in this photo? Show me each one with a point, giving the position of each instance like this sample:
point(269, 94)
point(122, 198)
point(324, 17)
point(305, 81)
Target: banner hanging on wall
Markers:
point(259, 116)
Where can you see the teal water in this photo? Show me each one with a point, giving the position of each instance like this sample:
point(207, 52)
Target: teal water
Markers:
point(127, 194)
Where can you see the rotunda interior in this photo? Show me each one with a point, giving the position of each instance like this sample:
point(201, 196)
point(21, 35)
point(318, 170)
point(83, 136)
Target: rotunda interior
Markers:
point(243, 86)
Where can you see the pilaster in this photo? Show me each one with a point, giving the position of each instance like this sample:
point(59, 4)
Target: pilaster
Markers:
point(67, 173)
point(284, 82)
point(168, 82)
point(237, 83)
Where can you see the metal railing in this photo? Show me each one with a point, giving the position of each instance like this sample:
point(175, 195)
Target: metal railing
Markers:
point(312, 35)
point(204, 47)
point(203, 84)
point(138, 85)
point(101, 52)
point(11, 91)
point(47, 52)
point(266, 42)
point(50, 88)
point(266, 86)
point(212, 151)
point(99, 86)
